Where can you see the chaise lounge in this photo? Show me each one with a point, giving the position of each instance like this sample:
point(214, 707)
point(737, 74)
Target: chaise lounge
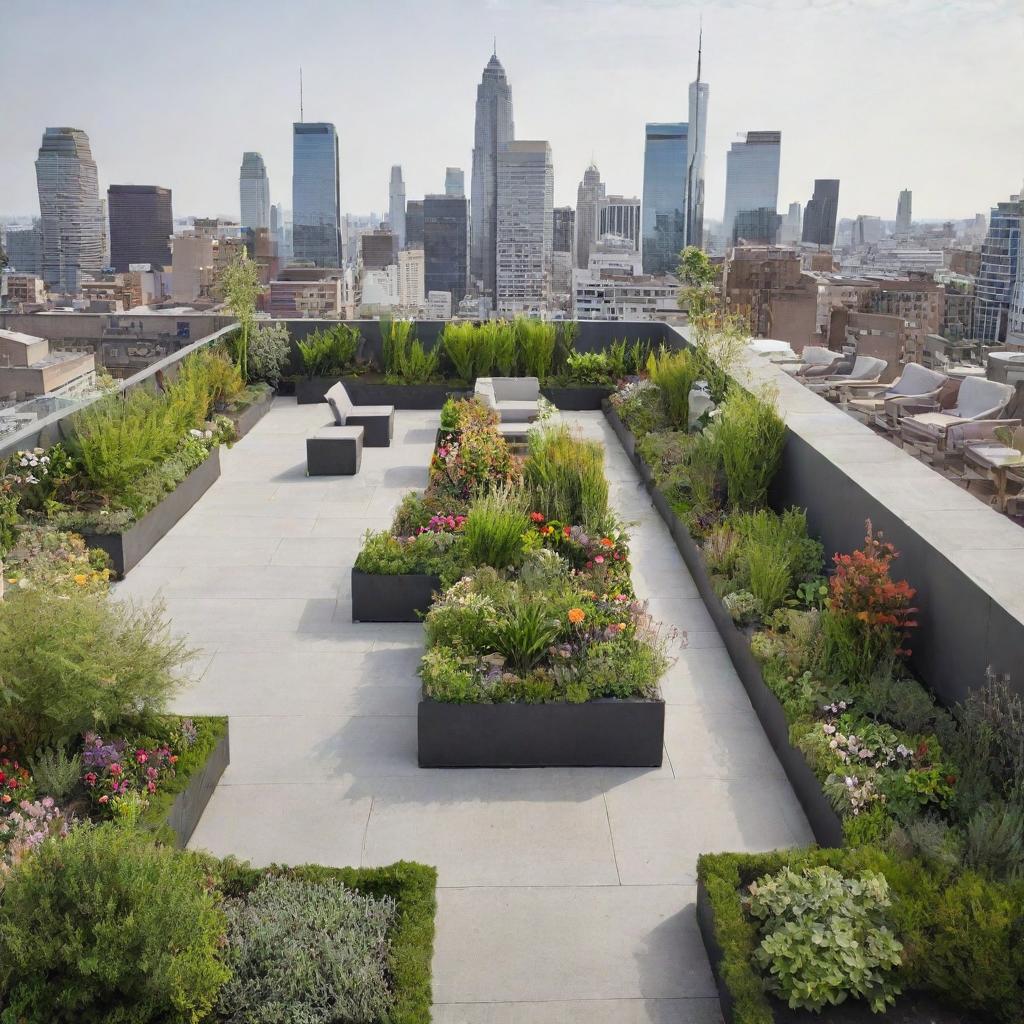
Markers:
point(886, 402)
point(866, 370)
point(515, 399)
point(377, 421)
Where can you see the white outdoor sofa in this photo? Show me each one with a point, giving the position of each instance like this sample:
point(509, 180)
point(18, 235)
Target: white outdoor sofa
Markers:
point(515, 399)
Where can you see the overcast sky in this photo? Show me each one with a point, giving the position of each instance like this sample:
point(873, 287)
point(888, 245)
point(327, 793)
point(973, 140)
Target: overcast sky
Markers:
point(926, 94)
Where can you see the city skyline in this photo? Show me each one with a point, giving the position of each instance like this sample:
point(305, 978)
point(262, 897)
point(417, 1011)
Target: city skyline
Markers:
point(548, 54)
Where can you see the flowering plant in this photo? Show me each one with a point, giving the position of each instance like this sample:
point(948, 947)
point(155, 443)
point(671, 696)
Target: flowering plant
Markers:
point(24, 829)
point(603, 559)
point(15, 778)
point(443, 524)
point(475, 460)
point(115, 768)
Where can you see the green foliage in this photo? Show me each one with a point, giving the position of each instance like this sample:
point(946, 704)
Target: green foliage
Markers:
point(240, 284)
point(103, 926)
point(77, 661)
point(55, 772)
point(523, 632)
point(770, 579)
point(750, 437)
point(330, 351)
point(412, 886)
point(564, 477)
point(535, 340)
point(592, 369)
point(675, 374)
point(309, 952)
point(470, 349)
point(493, 532)
point(434, 554)
point(405, 359)
point(268, 354)
point(205, 381)
point(825, 938)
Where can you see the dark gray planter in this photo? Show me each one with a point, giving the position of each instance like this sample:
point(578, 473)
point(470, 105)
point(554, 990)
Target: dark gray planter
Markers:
point(910, 1008)
point(190, 803)
point(377, 598)
point(309, 390)
point(127, 549)
point(606, 733)
point(576, 399)
point(250, 416)
point(821, 815)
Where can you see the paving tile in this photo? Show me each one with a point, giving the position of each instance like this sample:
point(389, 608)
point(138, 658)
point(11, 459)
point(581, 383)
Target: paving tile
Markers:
point(584, 1011)
point(704, 676)
point(705, 744)
point(602, 942)
point(179, 549)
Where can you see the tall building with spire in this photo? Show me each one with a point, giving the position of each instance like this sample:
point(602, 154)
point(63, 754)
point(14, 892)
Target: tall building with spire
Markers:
point(396, 205)
point(695, 142)
point(588, 200)
point(70, 211)
point(493, 129)
point(254, 192)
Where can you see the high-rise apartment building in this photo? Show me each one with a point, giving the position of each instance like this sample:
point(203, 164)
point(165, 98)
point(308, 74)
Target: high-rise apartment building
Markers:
point(664, 201)
point(254, 192)
point(455, 182)
point(444, 245)
point(493, 129)
point(24, 249)
point(751, 177)
point(563, 228)
point(396, 204)
point(526, 190)
point(378, 248)
point(316, 194)
point(904, 212)
point(820, 213)
point(589, 195)
point(414, 223)
point(696, 137)
point(411, 278)
point(1000, 269)
point(71, 215)
point(141, 225)
point(620, 215)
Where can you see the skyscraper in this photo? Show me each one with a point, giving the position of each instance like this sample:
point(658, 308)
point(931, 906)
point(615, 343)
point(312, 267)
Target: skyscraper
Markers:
point(526, 192)
point(696, 137)
point(588, 199)
point(71, 216)
point(790, 231)
point(444, 245)
point(820, 213)
point(396, 206)
point(664, 205)
point(454, 182)
point(280, 233)
point(141, 225)
point(751, 177)
point(254, 192)
point(620, 215)
point(563, 229)
point(904, 206)
point(1000, 264)
point(316, 194)
point(414, 223)
point(493, 129)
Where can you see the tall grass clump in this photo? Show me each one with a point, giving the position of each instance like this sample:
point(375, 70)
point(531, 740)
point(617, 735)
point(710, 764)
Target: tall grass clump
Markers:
point(494, 529)
point(564, 477)
point(405, 358)
point(750, 437)
point(502, 342)
point(675, 373)
point(536, 340)
point(470, 349)
point(329, 352)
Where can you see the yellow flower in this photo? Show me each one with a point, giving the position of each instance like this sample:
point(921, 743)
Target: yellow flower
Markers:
point(576, 616)
point(81, 579)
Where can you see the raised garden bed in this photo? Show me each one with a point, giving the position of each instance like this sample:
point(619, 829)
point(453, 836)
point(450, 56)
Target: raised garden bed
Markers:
point(190, 801)
point(248, 417)
point(379, 598)
point(576, 399)
point(821, 815)
point(609, 733)
point(310, 390)
point(127, 549)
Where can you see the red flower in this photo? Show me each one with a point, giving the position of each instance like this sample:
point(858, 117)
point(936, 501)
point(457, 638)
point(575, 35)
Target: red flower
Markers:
point(537, 517)
point(90, 778)
point(141, 756)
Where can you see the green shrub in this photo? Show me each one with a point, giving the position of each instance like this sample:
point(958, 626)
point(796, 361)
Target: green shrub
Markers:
point(434, 554)
point(590, 369)
point(750, 436)
point(564, 477)
point(523, 632)
point(770, 580)
point(329, 352)
point(78, 661)
point(307, 951)
point(104, 926)
point(675, 373)
point(640, 407)
point(501, 341)
point(55, 772)
point(825, 938)
point(494, 529)
point(470, 349)
point(269, 352)
point(535, 340)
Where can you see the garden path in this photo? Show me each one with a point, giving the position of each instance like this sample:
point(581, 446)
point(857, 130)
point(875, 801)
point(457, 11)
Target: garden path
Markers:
point(565, 895)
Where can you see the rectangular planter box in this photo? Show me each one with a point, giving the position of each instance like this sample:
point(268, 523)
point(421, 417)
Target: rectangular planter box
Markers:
point(190, 803)
point(249, 417)
point(309, 390)
point(377, 598)
point(821, 815)
point(605, 733)
point(908, 1009)
point(578, 399)
point(127, 549)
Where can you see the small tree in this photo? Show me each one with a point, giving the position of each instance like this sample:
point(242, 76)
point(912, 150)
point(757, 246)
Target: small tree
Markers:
point(240, 285)
point(698, 275)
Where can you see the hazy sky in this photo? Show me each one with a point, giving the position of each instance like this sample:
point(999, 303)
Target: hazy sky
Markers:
point(926, 94)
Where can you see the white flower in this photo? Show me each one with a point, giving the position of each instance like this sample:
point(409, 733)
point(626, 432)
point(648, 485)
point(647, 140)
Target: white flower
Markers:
point(195, 433)
point(23, 462)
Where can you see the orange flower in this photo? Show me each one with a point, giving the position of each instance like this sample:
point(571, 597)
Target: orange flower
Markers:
point(576, 616)
point(607, 542)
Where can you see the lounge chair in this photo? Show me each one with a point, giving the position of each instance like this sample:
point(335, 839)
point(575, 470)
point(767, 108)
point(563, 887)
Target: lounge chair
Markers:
point(885, 401)
point(377, 421)
point(515, 399)
point(866, 370)
point(816, 361)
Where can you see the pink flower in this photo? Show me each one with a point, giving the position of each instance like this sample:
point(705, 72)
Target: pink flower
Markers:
point(151, 786)
point(141, 756)
point(90, 778)
point(116, 769)
point(599, 559)
point(104, 799)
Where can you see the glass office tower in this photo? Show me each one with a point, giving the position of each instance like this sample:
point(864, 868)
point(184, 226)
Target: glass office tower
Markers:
point(664, 200)
point(254, 192)
point(820, 213)
point(445, 238)
point(316, 194)
point(751, 177)
point(1000, 256)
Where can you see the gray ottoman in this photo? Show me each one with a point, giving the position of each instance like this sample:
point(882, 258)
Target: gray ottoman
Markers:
point(334, 451)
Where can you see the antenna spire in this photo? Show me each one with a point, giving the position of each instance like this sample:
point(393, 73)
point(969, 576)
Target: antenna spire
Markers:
point(301, 112)
point(700, 44)
point(494, 51)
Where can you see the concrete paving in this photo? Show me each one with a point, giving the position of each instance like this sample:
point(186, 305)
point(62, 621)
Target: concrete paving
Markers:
point(565, 895)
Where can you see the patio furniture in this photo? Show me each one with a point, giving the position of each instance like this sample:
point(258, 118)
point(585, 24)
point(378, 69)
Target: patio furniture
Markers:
point(1000, 465)
point(334, 451)
point(817, 361)
point(884, 402)
point(378, 420)
point(866, 370)
point(515, 399)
